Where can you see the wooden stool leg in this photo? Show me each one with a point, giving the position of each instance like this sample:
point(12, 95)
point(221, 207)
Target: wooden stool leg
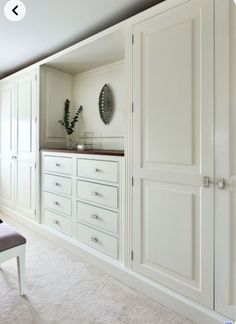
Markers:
point(21, 270)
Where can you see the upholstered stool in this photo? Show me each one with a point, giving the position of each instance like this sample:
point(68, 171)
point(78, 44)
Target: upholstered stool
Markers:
point(12, 245)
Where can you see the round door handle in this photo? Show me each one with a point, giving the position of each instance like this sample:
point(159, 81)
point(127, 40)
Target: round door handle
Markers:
point(94, 216)
point(58, 164)
point(57, 184)
point(56, 222)
point(94, 239)
point(56, 203)
point(96, 170)
point(94, 193)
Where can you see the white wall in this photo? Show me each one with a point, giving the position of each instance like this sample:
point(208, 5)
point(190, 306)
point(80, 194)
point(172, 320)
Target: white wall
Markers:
point(86, 90)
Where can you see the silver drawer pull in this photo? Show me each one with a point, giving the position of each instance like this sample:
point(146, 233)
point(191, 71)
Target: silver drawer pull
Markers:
point(57, 184)
point(94, 193)
point(94, 216)
point(56, 203)
point(58, 164)
point(94, 239)
point(56, 222)
point(96, 170)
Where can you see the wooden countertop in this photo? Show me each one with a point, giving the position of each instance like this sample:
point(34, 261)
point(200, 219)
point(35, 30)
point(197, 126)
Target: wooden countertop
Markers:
point(92, 151)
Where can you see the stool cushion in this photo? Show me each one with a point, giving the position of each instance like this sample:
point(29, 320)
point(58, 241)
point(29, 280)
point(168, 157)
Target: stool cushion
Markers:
point(9, 238)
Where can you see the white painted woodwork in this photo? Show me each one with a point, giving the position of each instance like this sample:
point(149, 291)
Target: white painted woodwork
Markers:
point(25, 124)
point(86, 89)
point(58, 164)
point(57, 203)
point(18, 144)
point(99, 217)
point(103, 50)
point(57, 222)
point(96, 193)
point(97, 170)
point(95, 207)
point(56, 87)
point(60, 185)
point(6, 143)
point(225, 210)
point(173, 215)
point(98, 240)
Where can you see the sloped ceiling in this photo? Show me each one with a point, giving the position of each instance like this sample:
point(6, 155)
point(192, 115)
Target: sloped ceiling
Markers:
point(52, 25)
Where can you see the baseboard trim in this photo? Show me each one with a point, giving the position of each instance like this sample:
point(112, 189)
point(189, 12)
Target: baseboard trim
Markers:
point(172, 300)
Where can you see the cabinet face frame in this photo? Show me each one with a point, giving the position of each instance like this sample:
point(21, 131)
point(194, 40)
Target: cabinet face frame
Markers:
point(225, 158)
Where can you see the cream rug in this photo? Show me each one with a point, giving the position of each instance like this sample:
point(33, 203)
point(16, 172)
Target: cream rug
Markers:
point(61, 288)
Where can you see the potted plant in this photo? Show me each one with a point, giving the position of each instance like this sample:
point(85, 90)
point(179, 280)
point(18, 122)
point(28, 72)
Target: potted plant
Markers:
point(69, 125)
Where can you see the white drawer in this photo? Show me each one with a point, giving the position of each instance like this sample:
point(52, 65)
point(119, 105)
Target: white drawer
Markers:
point(97, 170)
point(57, 184)
point(98, 240)
point(99, 217)
point(58, 222)
point(97, 193)
point(57, 164)
point(57, 203)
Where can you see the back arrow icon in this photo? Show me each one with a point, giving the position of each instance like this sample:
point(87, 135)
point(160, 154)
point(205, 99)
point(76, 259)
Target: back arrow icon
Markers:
point(14, 10)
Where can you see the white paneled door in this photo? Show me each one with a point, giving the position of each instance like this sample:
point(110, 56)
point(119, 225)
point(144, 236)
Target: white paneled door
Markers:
point(173, 143)
point(225, 249)
point(25, 149)
point(6, 143)
point(17, 144)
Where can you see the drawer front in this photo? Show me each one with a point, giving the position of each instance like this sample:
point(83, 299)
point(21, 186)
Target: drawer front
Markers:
point(57, 222)
point(57, 203)
point(97, 193)
point(97, 170)
point(57, 184)
point(57, 164)
point(98, 240)
point(101, 218)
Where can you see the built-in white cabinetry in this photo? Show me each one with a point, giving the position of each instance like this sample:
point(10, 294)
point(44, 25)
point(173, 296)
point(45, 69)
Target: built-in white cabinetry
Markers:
point(162, 219)
point(84, 193)
point(18, 143)
point(173, 214)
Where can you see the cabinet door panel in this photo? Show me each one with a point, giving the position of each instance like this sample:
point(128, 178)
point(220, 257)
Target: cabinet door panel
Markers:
point(25, 187)
point(174, 149)
point(6, 144)
point(26, 143)
point(225, 249)
point(6, 182)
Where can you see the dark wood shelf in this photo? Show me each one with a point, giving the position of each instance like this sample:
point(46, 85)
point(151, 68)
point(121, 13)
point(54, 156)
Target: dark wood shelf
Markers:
point(91, 151)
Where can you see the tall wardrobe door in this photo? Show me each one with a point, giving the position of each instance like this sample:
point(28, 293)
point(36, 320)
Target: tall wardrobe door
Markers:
point(6, 144)
point(173, 145)
point(225, 251)
point(26, 140)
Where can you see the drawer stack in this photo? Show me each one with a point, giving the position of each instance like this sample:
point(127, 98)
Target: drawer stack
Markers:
point(57, 193)
point(97, 194)
point(81, 198)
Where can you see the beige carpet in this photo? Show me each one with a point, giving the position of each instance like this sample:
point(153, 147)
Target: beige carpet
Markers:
point(61, 288)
